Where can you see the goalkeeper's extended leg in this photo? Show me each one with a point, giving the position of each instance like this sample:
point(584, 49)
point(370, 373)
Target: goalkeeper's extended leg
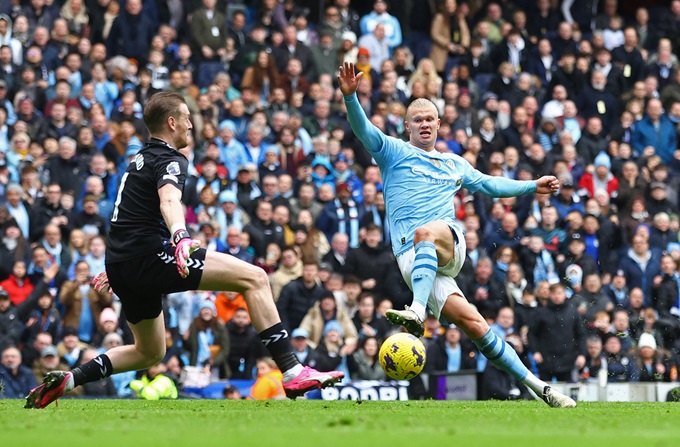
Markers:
point(224, 272)
point(149, 349)
point(501, 354)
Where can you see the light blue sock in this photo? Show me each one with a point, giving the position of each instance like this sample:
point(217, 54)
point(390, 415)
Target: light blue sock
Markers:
point(423, 272)
point(501, 354)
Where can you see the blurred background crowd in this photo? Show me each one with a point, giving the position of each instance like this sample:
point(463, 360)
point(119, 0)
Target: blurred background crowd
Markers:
point(583, 283)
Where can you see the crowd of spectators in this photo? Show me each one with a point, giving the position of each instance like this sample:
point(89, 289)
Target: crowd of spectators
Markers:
point(583, 283)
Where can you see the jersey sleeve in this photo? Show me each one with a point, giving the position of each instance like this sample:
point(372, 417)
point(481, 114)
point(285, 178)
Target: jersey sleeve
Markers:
point(474, 181)
point(171, 170)
point(376, 143)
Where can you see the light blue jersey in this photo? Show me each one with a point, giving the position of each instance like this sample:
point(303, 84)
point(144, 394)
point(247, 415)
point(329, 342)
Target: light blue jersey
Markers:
point(419, 186)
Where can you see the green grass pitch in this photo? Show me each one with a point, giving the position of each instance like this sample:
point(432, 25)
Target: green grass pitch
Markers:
point(131, 423)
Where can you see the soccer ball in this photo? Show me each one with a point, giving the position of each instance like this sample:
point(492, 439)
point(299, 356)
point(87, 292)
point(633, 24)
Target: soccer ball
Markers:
point(402, 356)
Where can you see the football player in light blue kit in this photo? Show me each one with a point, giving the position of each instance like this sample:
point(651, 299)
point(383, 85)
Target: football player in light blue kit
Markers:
point(419, 185)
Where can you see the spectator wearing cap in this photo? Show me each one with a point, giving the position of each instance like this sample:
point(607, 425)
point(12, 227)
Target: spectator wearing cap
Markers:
point(566, 200)
point(363, 64)
point(341, 215)
point(575, 254)
point(208, 342)
point(655, 134)
point(348, 50)
point(229, 214)
point(601, 179)
point(641, 265)
point(617, 289)
point(270, 164)
point(18, 380)
point(305, 354)
point(298, 296)
point(658, 200)
point(380, 15)
point(326, 311)
point(289, 269)
point(232, 152)
point(651, 364)
point(245, 187)
point(343, 174)
point(332, 349)
point(83, 304)
point(48, 360)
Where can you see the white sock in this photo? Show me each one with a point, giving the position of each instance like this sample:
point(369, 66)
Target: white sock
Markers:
point(70, 384)
point(536, 384)
point(420, 310)
point(292, 373)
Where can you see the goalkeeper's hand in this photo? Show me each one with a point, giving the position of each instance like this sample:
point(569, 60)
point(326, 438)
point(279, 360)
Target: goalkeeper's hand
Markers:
point(184, 247)
point(101, 283)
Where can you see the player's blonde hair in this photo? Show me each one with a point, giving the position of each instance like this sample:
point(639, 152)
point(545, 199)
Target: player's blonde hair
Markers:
point(420, 103)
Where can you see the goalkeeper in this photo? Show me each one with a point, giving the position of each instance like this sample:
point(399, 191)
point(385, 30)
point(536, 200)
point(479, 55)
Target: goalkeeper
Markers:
point(150, 254)
point(419, 185)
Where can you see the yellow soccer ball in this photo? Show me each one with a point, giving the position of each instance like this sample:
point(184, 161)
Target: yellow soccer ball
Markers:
point(402, 356)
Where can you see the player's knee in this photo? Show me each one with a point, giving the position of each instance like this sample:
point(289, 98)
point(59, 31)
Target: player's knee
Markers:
point(423, 234)
point(153, 356)
point(258, 280)
point(475, 328)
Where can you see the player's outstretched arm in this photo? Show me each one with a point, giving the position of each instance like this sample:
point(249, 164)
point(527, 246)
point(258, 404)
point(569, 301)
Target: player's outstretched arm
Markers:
point(474, 181)
point(173, 214)
point(371, 137)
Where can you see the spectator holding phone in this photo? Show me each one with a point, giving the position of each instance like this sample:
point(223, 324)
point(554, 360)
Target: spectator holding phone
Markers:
point(82, 303)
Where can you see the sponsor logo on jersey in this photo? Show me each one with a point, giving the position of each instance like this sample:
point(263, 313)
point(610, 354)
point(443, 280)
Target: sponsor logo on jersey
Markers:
point(436, 162)
point(173, 168)
point(138, 161)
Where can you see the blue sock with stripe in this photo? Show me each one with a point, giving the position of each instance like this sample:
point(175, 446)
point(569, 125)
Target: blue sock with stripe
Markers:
point(501, 354)
point(422, 275)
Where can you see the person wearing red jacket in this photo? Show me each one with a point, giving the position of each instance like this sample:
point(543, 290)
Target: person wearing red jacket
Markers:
point(18, 286)
point(601, 179)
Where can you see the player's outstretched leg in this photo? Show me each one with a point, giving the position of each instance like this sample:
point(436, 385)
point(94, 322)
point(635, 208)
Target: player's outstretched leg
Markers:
point(433, 245)
point(149, 349)
point(500, 353)
point(224, 272)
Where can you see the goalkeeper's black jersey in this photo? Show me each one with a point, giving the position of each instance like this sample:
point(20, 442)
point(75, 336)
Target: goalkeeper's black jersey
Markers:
point(137, 225)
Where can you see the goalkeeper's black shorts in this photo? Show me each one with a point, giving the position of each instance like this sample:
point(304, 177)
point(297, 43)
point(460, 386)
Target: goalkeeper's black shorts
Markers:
point(141, 282)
